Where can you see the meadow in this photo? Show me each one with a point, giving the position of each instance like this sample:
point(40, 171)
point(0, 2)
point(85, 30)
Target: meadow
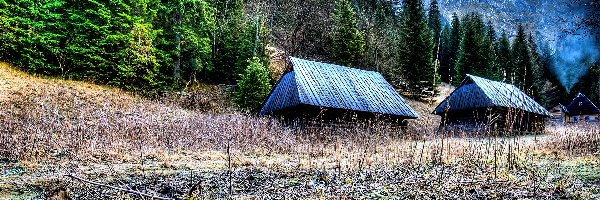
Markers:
point(58, 134)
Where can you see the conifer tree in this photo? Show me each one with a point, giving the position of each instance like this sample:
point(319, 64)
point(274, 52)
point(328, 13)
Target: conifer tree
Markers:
point(348, 41)
point(434, 24)
point(253, 87)
point(537, 70)
point(455, 38)
point(521, 73)
point(234, 41)
point(188, 29)
point(489, 49)
point(445, 55)
point(416, 47)
point(504, 54)
point(471, 58)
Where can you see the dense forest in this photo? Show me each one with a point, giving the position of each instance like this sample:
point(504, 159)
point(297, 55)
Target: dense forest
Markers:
point(151, 46)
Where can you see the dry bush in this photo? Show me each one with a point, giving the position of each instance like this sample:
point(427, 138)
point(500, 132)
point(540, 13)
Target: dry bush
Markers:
point(574, 138)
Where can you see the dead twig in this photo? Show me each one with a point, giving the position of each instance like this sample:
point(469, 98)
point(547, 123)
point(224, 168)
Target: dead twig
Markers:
point(116, 188)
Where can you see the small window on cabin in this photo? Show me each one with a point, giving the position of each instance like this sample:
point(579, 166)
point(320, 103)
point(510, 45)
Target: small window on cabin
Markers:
point(587, 118)
point(575, 119)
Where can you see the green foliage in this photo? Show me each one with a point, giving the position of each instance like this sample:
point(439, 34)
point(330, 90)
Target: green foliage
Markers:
point(378, 22)
point(238, 38)
point(445, 55)
point(477, 52)
point(416, 48)
point(489, 51)
point(538, 79)
point(504, 53)
point(188, 27)
point(348, 41)
point(455, 39)
point(470, 59)
point(130, 44)
point(254, 86)
point(521, 72)
point(435, 25)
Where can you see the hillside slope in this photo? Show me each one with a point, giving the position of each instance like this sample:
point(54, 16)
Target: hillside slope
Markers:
point(74, 118)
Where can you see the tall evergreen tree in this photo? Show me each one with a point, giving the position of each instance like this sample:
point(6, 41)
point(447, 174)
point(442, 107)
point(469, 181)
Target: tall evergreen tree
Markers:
point(188, 34)
point(455, 39)
point(416, 47)
point(537, 70)
point(348, 41)
point(471, 58)
point(435, 25)
point(504, 54)
point(522, 71)
point(489, 51)
point(234, 41)
point(445, 55)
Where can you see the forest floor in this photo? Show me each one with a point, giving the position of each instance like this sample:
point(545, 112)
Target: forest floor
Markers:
point(194, 145)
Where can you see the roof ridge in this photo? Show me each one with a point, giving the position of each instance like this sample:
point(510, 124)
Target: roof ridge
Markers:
point(334, 65)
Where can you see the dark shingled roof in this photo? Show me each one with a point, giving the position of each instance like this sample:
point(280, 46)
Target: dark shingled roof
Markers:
point(581, 105)
point(333, 86)
point(476, 92)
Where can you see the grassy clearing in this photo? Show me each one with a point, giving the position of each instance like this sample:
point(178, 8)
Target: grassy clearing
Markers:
point(52, 127)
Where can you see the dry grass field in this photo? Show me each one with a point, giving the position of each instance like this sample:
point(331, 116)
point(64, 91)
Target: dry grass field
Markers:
point(53, 132)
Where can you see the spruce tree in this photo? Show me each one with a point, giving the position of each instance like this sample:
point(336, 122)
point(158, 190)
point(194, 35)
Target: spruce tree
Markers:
point(416, 47)
point(521, 73)
point(455, 38)
point(348, 41)
point(445, 55)
point(489, 51)
point(234, 41)
point(537, 70)
point(471, 58)
point(253, 87)
point(435, 25)
point(188, 27)
point(504, 57)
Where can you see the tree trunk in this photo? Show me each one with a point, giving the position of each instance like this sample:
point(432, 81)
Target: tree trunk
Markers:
point(177, 65)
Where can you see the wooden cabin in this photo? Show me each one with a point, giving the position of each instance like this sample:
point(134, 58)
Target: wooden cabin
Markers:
point(479, 103)
point(581, 109)
point(327, 92)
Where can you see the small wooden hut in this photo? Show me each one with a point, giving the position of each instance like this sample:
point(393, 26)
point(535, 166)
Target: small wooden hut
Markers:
point(581, 109)
point(326, 92)
point(480, 103)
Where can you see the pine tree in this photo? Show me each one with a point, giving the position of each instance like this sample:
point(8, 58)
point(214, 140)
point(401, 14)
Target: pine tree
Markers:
point(445, 55)
point(435, 25)
point(348, 41)
point(537, 70)
point(471, 57)
point(234, 41)
point(504, 57)
point(489, 47)
point(416, 47)
point(188, 30)
point(253, 87)
point(521, 72)
point(455, 39)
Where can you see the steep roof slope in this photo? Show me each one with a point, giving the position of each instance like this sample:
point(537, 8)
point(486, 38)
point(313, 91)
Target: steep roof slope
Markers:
point(333, 86)
point(476, 92)
point(581, 105)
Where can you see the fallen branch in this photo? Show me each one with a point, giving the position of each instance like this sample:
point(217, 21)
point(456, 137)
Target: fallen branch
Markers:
point(117, 188)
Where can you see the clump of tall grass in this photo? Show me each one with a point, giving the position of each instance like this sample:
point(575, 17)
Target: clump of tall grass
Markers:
point(575, 138)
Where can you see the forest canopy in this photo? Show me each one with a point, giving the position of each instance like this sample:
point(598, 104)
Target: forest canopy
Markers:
point(153, 45)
